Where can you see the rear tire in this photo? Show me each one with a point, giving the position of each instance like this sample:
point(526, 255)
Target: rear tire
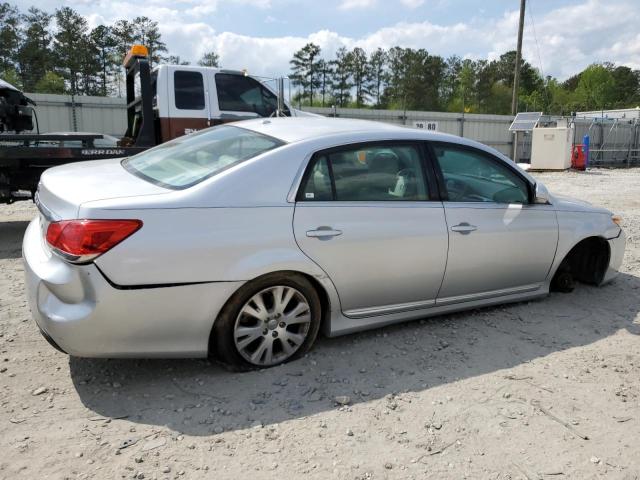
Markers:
point(269, 321)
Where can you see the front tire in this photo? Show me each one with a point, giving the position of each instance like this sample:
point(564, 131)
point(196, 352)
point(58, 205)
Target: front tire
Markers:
point(270, 320)
point(563, 282)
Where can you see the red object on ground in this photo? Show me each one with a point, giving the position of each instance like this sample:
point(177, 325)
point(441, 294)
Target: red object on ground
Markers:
point(578, 159)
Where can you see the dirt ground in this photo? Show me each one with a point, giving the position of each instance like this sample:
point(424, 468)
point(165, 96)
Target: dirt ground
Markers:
point(540, 390)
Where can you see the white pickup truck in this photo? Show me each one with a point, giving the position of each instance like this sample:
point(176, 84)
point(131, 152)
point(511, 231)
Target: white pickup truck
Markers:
point(188, 98)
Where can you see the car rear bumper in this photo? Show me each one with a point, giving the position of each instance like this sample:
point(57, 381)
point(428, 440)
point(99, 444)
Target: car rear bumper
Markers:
point(617, 246)
point(77, 308)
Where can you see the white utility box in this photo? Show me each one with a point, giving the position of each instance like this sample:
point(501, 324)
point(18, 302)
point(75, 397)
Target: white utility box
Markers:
point(551, 148)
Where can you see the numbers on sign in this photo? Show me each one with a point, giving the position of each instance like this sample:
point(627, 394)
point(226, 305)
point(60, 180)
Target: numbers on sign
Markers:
point(424, 125)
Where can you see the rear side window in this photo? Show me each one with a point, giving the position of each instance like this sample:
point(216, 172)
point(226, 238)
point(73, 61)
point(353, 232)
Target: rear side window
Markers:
point(318, 184)
point(189, 90)
point(367, 173)
point(188, 160)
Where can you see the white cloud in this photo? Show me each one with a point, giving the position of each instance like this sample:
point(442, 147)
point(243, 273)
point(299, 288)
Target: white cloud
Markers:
point(350, 4)
point(412, 3)
point(564, 42)
point(566, 39)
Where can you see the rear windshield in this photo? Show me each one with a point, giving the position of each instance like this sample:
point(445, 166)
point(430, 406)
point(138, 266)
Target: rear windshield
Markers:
point(188, 160)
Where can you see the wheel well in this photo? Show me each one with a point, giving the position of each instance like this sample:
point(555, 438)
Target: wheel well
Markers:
point(587, 261)
point(325, 304)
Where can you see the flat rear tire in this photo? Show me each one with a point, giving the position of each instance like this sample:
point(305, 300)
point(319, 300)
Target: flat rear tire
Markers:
point(269, 321)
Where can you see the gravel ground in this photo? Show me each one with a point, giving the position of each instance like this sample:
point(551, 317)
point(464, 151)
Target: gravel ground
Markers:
point(540, 390)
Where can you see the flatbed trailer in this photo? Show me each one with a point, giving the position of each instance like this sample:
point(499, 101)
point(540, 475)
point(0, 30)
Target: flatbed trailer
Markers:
point(161, 104)
point(23, 158)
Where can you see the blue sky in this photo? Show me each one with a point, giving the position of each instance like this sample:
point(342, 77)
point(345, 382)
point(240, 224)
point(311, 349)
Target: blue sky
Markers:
point(561, 37)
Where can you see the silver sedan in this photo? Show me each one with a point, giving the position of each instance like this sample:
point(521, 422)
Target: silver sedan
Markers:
point(243, 242)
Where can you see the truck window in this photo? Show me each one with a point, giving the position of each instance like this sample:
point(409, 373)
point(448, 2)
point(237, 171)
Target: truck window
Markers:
point(189, 90)
point(237, 93)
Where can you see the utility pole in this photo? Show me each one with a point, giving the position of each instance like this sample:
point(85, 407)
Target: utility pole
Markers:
point(516, 78)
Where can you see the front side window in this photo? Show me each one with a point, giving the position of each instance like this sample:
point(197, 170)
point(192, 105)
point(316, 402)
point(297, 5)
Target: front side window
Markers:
point(188, 160)
point(472, 176)
point(189, 90)
point(366, 173)
point(238, 93)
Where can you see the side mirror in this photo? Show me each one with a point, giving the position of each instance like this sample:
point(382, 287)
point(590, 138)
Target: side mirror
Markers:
point(542, 194)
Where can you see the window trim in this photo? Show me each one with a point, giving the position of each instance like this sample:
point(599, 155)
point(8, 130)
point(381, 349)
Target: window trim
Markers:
point(175, 91)
point(444, 195)
point(427, 174)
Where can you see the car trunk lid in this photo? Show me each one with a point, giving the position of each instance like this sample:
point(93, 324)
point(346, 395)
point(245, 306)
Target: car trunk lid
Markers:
point(62, 190)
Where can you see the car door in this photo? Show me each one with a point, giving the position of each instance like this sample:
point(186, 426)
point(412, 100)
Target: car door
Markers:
point(499, 242)
point(370, 218)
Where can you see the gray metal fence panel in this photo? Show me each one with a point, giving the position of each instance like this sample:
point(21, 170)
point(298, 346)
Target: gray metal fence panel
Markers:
point(92, 114)
point(491, 130)
point(613, 142)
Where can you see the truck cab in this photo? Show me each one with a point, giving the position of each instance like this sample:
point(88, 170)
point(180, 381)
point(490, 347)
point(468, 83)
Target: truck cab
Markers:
point(188, 98)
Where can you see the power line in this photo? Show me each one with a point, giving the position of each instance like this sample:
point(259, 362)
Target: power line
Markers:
point(535, 37)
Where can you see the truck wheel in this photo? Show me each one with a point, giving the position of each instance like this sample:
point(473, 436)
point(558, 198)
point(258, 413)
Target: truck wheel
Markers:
point(269, 321)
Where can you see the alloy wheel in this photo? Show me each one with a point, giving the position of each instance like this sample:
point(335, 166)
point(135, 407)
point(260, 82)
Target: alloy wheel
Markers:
point(272, 325)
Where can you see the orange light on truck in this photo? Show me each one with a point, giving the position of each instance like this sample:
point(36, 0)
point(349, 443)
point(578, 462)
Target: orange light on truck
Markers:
point(136, 51)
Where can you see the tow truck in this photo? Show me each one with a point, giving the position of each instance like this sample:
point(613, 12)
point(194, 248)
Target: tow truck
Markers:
point(162, 103)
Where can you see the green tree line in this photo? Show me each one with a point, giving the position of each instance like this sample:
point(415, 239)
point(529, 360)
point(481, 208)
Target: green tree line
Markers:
point(57, 52)
point(414, 79)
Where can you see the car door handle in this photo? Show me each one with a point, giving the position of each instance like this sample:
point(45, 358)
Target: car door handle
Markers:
point(323, 232)
point(464, 228)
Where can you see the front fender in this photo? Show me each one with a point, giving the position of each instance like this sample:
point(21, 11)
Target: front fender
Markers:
point(573, 227)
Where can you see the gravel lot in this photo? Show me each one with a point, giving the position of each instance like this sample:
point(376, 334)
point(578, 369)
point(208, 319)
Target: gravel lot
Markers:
point(540, 390)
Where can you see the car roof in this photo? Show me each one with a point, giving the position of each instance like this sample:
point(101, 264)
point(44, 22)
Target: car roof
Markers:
point(296, 129)
point(301, 129)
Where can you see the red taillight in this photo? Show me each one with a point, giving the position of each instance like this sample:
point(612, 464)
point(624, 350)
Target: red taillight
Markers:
point(83, 240)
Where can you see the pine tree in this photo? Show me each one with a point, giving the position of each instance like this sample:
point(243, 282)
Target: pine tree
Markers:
point(378, 66)
point(123, 34)
point(341, 83)
point(361, 74)
point(69, 41)
point(105, 45)
point(123, 31)
point(9, 36)
point(395, 93)
point(34, 55)
point(176, 60)
point(90, 67)
point(325, 72)
point(451, 80)
point(304, 65)
point(147, 33)
point(209, 59)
